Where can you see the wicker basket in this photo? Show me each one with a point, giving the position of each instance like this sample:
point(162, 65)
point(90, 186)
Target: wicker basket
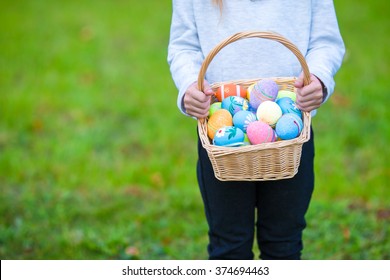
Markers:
point(268, 161)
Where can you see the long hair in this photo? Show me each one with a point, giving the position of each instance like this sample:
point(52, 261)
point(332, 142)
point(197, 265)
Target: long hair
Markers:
point(218, 3)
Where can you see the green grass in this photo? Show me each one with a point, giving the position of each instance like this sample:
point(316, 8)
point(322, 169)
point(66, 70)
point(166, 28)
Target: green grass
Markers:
point(96, 162)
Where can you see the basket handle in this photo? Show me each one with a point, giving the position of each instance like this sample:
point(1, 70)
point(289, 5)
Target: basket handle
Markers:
point(254, 34)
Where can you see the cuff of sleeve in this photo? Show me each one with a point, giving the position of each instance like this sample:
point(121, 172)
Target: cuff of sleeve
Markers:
point(324, 91)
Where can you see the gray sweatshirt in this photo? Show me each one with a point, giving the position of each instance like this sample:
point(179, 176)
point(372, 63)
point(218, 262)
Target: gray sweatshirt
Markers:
point(198, 26)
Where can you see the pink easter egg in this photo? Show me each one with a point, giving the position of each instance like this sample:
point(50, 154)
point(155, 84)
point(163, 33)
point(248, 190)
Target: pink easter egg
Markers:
point(260, 132)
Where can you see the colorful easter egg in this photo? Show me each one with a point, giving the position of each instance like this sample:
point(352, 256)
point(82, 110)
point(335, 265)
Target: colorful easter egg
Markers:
point(248, 91)
point(288, 106)
point(263, 90)
point(260, 132)
point(219, 119)
point(234, 104)
point(269, 112)
point(230, 90)
point(287, 93)
point(214, 107)
point(250, 108)
point(242, 118)
point(229, 136)
point(289, 126)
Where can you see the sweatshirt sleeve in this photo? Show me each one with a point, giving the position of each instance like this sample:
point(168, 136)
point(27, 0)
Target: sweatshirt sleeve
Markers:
point(326, 47)
point(184, 52)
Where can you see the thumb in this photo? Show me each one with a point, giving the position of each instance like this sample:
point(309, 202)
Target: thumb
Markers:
point(299, 81)
point(207, 89)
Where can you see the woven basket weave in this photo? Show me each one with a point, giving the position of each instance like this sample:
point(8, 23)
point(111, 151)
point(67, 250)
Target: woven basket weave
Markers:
point(268, 161)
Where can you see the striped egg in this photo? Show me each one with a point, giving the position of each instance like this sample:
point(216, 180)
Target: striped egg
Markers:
point(230, 89)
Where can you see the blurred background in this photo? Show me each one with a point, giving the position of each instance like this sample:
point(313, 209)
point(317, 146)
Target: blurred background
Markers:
point(96, 162)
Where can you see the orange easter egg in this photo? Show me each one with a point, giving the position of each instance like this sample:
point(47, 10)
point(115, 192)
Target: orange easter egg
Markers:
point(219, 119)
point(230, 90)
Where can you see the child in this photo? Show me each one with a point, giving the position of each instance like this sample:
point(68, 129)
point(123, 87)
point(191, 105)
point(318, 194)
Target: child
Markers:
point(273, 210)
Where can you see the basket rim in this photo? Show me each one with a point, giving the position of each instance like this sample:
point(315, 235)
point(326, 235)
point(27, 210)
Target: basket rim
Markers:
point(215, 85)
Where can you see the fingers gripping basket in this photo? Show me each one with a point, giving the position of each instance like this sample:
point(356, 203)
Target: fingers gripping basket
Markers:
point(268, 161)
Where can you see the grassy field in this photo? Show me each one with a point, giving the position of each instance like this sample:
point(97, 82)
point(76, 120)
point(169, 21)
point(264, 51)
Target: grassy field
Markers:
point(96, 162)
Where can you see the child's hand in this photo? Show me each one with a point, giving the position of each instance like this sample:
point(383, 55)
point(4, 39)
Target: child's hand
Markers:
point(197, 103)
point(309, 97)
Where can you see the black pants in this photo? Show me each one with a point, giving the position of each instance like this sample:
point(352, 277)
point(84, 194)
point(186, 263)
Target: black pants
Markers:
point(281, 205)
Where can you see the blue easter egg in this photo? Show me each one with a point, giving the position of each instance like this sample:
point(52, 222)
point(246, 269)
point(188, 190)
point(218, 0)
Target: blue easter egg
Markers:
point(234, 104)
point(229, 136)
point(241, 119)
point(288, 106)
point(251, 108)
point(289, 126)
